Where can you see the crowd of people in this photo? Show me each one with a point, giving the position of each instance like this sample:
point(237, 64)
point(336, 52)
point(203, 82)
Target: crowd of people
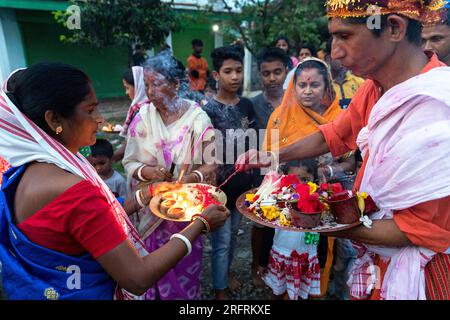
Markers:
point(370, 112)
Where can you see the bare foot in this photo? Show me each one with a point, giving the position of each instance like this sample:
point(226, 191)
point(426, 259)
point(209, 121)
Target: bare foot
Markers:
point(256, 277)
point(233, 284)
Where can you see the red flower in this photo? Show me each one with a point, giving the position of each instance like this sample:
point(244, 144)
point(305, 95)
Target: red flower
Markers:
point(332, 189)
point(303, 190)
point(310, 204)
point(289, 180)
point(336, 188)
point(324, 187)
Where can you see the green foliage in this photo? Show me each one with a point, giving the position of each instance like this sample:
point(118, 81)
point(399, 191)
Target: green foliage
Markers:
point(305, 22)
point(121, 23)
point(258, 22)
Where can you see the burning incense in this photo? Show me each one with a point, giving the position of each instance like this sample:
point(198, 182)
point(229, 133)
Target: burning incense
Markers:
point(227, 179)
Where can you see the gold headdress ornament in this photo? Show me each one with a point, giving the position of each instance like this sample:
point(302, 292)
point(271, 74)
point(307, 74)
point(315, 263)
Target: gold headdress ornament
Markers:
point(425, 11)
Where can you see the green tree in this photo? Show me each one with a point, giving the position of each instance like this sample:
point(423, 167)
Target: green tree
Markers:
point(121, 23)
point(258, 22)
point(303, 21)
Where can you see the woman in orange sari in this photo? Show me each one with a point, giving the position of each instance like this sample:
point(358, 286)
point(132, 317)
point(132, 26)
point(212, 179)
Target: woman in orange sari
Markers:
point(309, 101)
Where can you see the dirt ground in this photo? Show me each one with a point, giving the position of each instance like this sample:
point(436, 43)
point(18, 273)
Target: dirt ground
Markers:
point(241, 267)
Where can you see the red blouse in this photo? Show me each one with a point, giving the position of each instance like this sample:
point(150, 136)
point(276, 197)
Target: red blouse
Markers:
point(76, 221)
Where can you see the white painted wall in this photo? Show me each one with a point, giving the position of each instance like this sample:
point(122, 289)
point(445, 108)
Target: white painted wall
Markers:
point(12, 55)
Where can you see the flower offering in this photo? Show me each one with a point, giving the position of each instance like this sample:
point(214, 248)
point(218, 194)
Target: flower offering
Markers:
point(284, 201)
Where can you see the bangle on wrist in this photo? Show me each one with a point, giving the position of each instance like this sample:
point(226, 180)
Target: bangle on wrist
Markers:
point(197, 178)
point(330, 168)
point(185, 241)
point(138, 198)
point(139, 173)
point(199, 175)
point(205, 222)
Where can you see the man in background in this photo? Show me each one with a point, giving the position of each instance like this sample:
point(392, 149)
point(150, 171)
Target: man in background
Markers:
point(345, 84)
point(198, 67)
point(437, 38)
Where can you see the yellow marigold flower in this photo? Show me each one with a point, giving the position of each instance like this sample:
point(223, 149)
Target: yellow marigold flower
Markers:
point(284, 221)
point(270, 213)
point(250, 197)
point(312, 187)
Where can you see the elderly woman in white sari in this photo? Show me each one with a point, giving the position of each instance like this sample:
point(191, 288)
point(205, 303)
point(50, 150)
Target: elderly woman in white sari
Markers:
point(166, 138)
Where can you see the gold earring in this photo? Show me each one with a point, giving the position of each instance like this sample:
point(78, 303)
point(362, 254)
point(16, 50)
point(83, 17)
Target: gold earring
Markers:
point(59, 130)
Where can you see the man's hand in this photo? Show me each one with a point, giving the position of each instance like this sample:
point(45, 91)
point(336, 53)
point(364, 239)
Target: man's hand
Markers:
point(216, 216)
point(253, 159)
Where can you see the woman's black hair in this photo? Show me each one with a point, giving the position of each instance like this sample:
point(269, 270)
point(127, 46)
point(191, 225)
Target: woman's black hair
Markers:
point(165, 64)
point(285, 39)
point(320, 67)
point(12, 81)
point(128, 77)
point(50, 86)
point(310, 47)
point(219, 55)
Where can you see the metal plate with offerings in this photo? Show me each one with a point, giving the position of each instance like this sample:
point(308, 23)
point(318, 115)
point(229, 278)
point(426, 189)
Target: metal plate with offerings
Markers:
point(327, 223)
point(185, 201)
point(279, 201)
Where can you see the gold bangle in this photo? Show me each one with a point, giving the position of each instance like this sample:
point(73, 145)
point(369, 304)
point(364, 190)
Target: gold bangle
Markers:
point(206, 223)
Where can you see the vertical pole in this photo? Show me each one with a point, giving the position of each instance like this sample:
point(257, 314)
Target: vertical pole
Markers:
point(247, 72)
point(12, 54)
point(218, 39)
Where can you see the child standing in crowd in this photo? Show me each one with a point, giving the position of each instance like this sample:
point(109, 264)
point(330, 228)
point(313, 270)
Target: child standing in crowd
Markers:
point(283, 43)
point(101, 159)
point(273, 66)
point(228, 111)
point(294, 264)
